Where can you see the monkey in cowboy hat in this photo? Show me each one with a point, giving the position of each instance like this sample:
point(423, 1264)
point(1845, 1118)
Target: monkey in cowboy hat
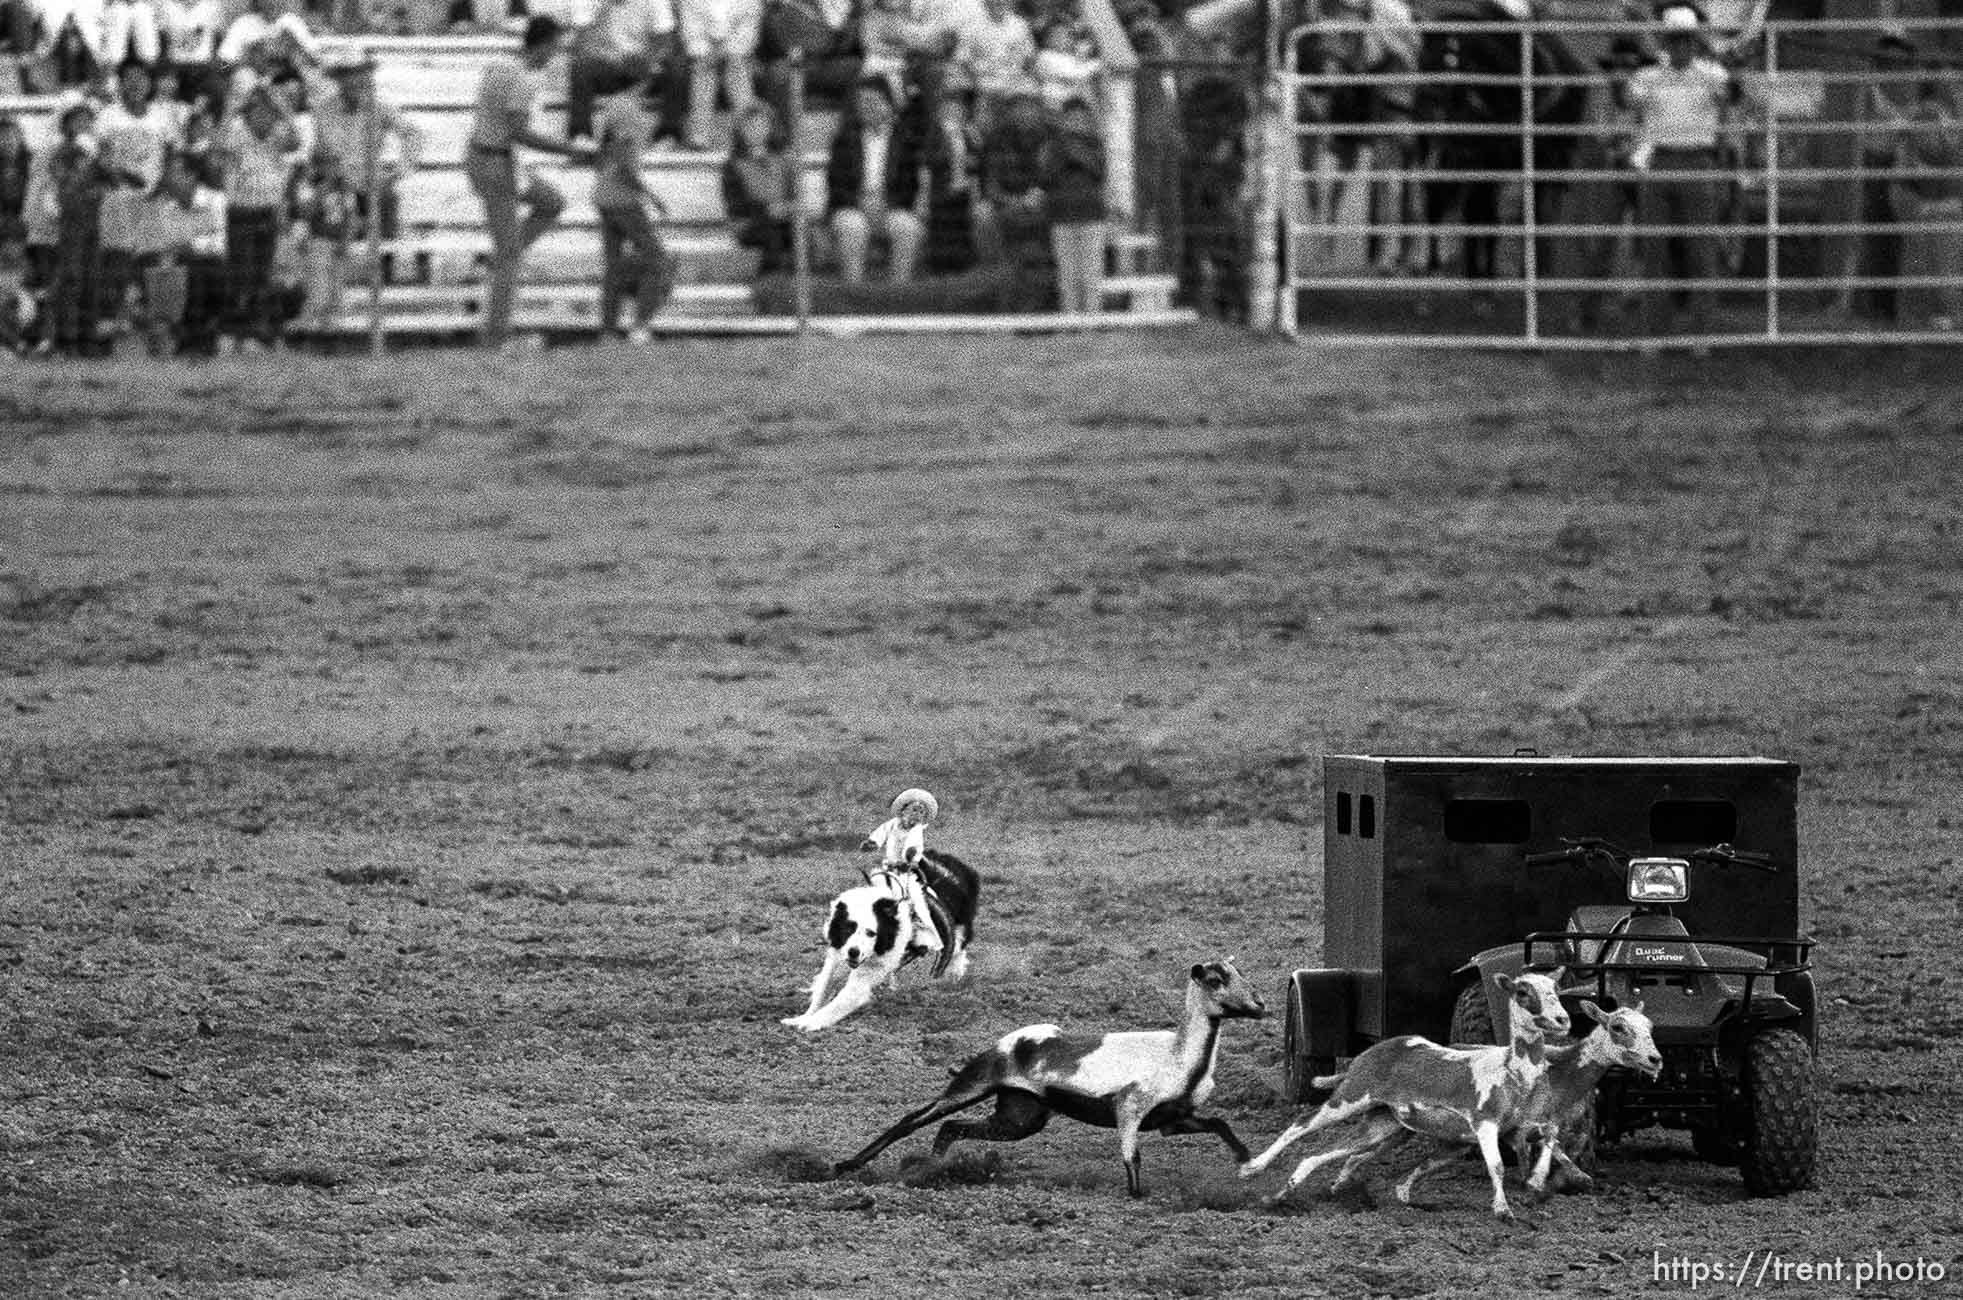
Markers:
point(901, 840)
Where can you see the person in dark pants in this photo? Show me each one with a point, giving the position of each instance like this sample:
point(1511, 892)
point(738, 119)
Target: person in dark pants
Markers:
point(636, 260)
point(1016, 229)
point(1680, 104)
point(185, 278)
point(1213, 250)
point(255, 147)
point(80, 180)
point(759, 187)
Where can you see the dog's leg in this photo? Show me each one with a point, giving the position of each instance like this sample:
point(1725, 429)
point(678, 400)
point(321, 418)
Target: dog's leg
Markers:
point(858, 990)
point(957, 966)
point(818, 988)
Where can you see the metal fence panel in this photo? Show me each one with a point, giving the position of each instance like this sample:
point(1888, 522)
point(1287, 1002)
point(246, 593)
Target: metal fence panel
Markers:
point(1495, 191)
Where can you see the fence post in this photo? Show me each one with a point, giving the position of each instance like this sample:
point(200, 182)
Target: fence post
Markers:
point(371, 167)
point(1529, 217)
point(800, 223)
point(1772, 180)
point(1287, 310)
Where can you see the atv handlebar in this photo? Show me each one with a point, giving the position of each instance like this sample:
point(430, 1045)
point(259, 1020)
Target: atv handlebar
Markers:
point(1592, 846)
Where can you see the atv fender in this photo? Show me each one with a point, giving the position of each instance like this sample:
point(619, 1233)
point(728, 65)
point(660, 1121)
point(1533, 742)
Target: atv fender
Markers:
point(1507, 959)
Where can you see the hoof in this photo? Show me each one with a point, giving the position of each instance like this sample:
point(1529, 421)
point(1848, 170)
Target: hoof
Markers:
point(1248, 1169)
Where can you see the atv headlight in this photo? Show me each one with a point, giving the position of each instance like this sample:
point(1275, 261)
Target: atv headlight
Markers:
point(1658, 880)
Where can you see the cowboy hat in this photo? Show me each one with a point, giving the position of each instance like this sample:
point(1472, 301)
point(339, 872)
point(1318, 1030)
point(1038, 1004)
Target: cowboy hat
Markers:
point(921, 797)
point(1682, 18)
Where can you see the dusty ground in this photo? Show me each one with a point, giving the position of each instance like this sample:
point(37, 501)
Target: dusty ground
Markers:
point(423, 782)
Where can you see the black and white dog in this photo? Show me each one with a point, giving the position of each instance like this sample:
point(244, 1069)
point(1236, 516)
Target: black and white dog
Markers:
point(871, 928)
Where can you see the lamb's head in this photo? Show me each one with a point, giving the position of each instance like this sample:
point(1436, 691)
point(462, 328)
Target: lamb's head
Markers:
point(1533, 1005)
point(865, 922)
point(1629, 1038)
point(1227, 993)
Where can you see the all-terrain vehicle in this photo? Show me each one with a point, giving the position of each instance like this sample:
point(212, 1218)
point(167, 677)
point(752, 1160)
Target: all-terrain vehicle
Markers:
point(1441, 872)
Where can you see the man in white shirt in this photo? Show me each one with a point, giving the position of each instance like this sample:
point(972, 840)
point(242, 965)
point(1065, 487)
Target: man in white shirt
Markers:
point(345, 109)
point(503, 121)
point(1680, 106)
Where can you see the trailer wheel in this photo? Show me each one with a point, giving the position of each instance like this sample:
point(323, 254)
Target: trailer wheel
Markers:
point(1299, 1067)
point(1472, 1016)
point(1781, 1137)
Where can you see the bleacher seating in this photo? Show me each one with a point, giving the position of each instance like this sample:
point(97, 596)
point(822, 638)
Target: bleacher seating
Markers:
point(431, 278)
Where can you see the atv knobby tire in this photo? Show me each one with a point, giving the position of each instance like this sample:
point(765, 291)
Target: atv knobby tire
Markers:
point(1781, 1134)
point(1472, 1016)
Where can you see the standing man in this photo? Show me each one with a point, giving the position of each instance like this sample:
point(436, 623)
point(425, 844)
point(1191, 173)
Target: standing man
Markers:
point(1680, 105)
point(344, 112)
point(505, 97)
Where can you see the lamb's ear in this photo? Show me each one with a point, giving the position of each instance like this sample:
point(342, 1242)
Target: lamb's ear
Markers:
point(1203, 974)
point(1505, 982)
point(1593, 1012)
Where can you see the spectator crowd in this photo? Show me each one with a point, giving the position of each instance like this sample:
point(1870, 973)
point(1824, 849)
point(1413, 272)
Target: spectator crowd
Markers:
point(203, 183)
point(208, 180)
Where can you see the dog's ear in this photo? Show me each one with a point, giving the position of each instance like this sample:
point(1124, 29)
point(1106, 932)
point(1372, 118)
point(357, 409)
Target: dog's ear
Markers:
point(840, 928)
point(886, 911)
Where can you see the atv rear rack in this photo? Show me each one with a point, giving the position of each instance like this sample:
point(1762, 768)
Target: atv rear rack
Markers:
point(1782, 957)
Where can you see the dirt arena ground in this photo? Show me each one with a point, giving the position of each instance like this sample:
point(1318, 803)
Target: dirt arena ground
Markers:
point(421, 785)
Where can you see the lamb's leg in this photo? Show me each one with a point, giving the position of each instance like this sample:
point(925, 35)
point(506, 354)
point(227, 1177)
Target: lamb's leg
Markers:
point(1488, 1134)
point(1382, 1135)
point(920, 1117)
point(1422, 1172)
point(1131, 1113)
point(1308, 1167)
point(1553, 1157)
point(1210, 1124)
point(1329, 1114)
point(1290, 1136)
point(1018, 1115)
